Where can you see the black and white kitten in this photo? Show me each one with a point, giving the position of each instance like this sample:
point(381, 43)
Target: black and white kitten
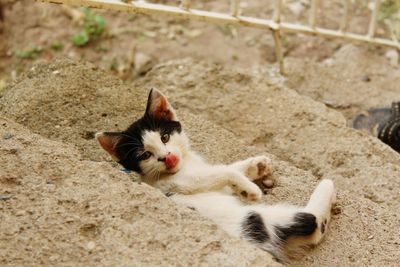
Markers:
point(156, 147)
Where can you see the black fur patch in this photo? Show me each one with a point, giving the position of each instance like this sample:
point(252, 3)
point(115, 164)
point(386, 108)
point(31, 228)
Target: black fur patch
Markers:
point(253, 228)
point(304, 224)
point(130, 146)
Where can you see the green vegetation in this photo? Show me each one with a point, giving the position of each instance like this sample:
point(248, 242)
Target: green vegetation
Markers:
point(228, 30)
point(388, 8)
point(93, 27)
point(389, 15)
point(57, 46)
point(114, 64)
point(32, 52)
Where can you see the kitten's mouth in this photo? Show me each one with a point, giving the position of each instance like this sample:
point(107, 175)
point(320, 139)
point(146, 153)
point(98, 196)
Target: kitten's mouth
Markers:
point(171, 162)
point(173, 169)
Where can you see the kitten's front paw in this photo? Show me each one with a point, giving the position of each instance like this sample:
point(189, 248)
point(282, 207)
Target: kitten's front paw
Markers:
point(248, 191)
point(258, 167)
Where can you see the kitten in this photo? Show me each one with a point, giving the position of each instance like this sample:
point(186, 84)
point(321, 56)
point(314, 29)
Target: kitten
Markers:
point(156, 147)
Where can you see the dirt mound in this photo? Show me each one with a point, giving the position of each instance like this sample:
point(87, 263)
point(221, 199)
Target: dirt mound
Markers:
point(71, 101)
point(272, 118)
point(58, 209)
point(355, 78)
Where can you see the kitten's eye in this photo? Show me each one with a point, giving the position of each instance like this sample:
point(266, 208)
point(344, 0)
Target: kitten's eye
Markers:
point(146, 155)
point(165, 138)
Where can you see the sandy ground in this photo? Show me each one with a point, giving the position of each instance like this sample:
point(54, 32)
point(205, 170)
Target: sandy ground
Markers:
point(352, 79)
point(58, 209)
point(62, 201)
point(28, 23)
point(67, 101)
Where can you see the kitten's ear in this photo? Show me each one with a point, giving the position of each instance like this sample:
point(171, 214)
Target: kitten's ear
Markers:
point(109, 142)
point(159, 107)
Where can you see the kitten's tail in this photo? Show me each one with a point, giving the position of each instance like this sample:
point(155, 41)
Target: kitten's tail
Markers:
point(283, 230)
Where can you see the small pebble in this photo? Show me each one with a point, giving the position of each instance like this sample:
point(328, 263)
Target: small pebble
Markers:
point(393, 57)
point(365, 78)
point(269, 183)
point(328, 62)
point(7, 136)
point(91, 245)
point(69, 220)
point(4, 197)
point(54, 258)
point(296, 8)
point(20, 213)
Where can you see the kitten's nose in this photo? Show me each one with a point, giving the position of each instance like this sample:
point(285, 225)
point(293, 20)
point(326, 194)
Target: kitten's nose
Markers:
point(171, 161)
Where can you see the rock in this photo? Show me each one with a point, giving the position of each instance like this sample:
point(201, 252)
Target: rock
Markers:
point(5, 197)
point(297, 8)
point(328, 62)
point(392, 56)
point(7, 136)
point(91, 245)
point(143, 63)
point(365, 78)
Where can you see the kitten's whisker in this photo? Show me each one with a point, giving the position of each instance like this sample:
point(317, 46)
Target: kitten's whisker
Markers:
point(130, 144)
point(128, 136)
point(130, 151)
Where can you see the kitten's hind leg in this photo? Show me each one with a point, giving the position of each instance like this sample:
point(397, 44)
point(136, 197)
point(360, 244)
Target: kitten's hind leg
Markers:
point(320, 205)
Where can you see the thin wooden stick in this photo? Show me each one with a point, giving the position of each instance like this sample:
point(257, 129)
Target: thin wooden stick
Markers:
point(278, 51)
point(374, 18)
point(235, 7)
point(186, 4)
point(345, 19)
point(313, 13)
point(277, 11)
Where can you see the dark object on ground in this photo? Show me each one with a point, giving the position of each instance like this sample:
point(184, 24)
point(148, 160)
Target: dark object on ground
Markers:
point(383, 123)
point(1, 17)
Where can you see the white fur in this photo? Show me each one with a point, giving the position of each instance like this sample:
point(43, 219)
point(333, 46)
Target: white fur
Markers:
point(208, 189)
point(193, 174)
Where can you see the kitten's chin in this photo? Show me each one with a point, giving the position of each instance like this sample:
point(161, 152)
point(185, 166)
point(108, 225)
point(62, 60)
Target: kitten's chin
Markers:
point(173, 170)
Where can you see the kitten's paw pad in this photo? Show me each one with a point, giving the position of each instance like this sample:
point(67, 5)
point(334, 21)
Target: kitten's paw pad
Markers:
point(336, 209)
point(250, 192)
point(258, 167)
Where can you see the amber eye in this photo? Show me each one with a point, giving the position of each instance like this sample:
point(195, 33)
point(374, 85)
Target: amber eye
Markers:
point(165, 138)
point(146, 155)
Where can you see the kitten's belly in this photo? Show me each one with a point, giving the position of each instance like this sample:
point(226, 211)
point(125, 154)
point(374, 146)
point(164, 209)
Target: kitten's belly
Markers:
point(225, 210)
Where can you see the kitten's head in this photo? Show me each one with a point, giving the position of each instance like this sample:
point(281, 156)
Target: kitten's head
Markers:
point(153, 145)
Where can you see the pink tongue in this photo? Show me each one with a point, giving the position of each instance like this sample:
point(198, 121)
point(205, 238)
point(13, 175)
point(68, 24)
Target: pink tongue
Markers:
point(171, 161)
